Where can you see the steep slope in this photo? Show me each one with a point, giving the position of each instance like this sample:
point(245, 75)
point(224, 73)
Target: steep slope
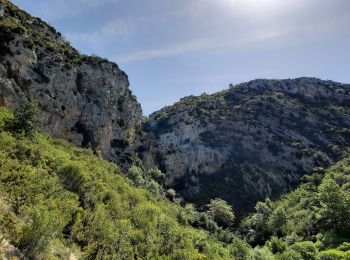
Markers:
point(314, 219)
point(252, 141)
point(85, 100)
point(58, 201)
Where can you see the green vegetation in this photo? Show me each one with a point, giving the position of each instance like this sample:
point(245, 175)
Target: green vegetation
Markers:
point(25, 121)
point(312, 222)
point(34, 34)
point(245, 125)
point(221, 212)
point(57, 199)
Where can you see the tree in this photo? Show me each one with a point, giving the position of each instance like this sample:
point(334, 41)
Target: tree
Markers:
point(156, 174)
point(278, 222)
point(335, 206)
point(240, 249)
point(306, 249)
point(136, 174)
point(44, 225)
point(26, 119)
point(221, 212)
point(171, 194)
point(290, 255)
point(258, 223)
point(276, 245)
point(262, 253)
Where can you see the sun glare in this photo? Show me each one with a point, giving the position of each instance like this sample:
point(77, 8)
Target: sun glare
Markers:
point(253, 5)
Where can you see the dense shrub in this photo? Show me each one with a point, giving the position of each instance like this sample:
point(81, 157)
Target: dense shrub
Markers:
point(26, 119)
point(221, 212)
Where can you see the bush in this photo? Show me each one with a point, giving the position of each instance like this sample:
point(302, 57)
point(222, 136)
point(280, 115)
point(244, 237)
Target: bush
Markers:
point(306, 249)
point(240, 249)
point(26, 120)
point(335, 210)
point(331, 254)
point(278, 222)
point(290, 255)
point(262, 253)
point(45, 225)
point(276, 245)
point(221, 212)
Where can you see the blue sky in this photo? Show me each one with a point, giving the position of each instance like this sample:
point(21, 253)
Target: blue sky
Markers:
point(175, 48)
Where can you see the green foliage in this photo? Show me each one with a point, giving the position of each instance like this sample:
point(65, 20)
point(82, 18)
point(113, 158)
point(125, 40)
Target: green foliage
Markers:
point(221, 212)
point(333, 254)
point(170, 194)
point(276, 245)
point(262, 253)
point(344, 247)
point(318, 210)
point(258, 223)
point(26, 119)
point(5, 116)
point(46, 222)
point(151, 179)
point(335, 207)
point(290, 255)
point(240, 249)
point(306, 249)
point(56, 198)
point(278, 221)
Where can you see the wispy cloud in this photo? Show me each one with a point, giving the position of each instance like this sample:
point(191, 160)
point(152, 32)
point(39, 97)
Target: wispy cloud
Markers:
point(276, 34)
point(199, 45)
point(55, 9)
point(117, 29)
point(168, 51)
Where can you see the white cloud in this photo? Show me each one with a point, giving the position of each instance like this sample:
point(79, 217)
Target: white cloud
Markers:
point(117, 29)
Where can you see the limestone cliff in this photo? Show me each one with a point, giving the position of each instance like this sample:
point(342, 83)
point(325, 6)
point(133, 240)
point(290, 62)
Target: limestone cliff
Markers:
point(254, 140)
point(84, 99)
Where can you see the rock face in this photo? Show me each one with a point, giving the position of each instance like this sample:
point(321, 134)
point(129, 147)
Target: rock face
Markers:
point(85, 100)
point(252, 141)
point(243, 144)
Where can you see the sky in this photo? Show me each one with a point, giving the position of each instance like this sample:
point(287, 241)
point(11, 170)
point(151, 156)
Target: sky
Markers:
point(175, 48)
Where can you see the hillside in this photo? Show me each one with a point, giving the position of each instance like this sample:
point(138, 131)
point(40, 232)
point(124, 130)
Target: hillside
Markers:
point(58, 201)
point(83, 99)
point(260, 171)
point(252, 141)
point(314, 219)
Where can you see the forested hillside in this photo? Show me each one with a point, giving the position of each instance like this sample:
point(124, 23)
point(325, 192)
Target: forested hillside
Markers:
point(58, 201)
point(311, 222)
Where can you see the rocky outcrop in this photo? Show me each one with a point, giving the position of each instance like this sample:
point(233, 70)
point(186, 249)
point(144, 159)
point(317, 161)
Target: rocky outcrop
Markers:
point(85, 100)
point(252, 141)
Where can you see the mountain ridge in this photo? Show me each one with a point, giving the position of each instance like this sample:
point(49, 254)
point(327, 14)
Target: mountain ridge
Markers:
point(250, 122)
point(231, 144)
point(100, 195)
